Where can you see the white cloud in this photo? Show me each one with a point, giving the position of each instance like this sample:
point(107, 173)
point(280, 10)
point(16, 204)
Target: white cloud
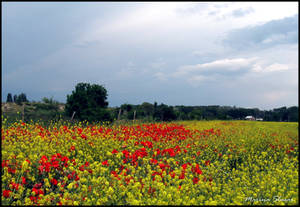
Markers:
point(222, 66)
point(276, 67)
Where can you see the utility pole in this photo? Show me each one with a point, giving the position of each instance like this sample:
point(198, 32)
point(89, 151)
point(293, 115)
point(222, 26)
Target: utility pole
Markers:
point(119, 114)
point(5, 109)
point(134, 113)
point(73, 115)
point(23, 111)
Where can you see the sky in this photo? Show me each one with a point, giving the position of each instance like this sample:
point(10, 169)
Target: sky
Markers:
point(242, 54)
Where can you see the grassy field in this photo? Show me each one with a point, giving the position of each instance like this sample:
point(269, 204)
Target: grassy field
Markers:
point(179, 163)
point(35, 111)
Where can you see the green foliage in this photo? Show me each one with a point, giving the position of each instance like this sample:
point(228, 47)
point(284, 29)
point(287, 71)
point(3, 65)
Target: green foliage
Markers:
point(89, 103)
point(45, 106)
point(164, 113)
point(148, 108)
point(50, 101)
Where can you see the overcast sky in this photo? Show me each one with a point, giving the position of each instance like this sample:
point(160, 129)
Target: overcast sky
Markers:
point(177, 53)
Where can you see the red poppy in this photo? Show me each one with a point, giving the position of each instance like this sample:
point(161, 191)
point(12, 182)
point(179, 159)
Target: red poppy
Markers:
point(35, 190)
point(172, 174)
point(81, 168)
point(38, 185)
point(197, 170)
point(182, 175)
point(162, 165)
point(114, 151)
point(195, 180)
point(105, 163)
point(6, 193)
point(15, 186)
point(54, 181)
point(207, 162)
point(5, 163)
point(23, 180)
point(153, 161)
point(65, 159)
point(41, 168)
point(11, 170)
point(47, 166)
point(32, 198)
point(44, 159)
point(55, 164)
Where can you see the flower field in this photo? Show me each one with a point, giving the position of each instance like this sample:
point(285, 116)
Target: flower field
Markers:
point(179, 163)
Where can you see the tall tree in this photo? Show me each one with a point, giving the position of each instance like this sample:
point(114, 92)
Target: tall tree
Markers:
point(21, 98)
point(15, 98)
point(9, 98)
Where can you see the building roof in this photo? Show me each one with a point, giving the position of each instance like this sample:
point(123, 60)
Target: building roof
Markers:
point(249, 117)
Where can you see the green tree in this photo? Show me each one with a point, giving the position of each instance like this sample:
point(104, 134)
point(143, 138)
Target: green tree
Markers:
point(165, 113)
point(126, 107)
point(293, 113)
point(89, 103)
point(147, 108)
point(9, 98)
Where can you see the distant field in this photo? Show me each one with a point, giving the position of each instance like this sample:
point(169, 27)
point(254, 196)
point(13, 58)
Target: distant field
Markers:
point(179, 163)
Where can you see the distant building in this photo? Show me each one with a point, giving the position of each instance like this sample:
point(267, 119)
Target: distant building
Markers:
point(250, 118)
point(259, 119)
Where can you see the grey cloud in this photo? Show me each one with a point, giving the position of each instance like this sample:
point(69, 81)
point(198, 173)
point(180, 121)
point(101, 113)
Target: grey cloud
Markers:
point(46, 55)
point(282, 31)
point(242, 12)
point(195, 8)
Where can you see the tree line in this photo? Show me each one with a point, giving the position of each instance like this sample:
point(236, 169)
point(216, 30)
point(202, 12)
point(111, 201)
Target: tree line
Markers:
point(164, 112)
point(18, 99)
point(89, 102)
